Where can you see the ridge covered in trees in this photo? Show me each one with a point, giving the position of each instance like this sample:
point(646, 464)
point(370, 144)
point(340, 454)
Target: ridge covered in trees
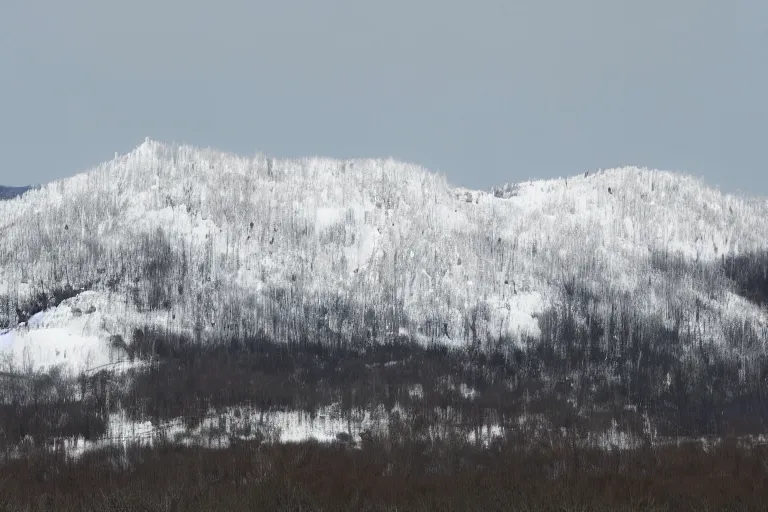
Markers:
point(232, 297)
point(628, 287)
point(369, 250)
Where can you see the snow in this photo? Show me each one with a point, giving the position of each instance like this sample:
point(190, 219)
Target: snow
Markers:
point(44, 348)
point(467, 392)
point(362, 233)
point(328, 217)
point(362, 252)
point(71, 336)
point(416, 391)
point(218, 428)
point(515, 316)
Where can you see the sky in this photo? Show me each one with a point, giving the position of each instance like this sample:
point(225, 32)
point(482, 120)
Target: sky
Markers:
point(485, 92)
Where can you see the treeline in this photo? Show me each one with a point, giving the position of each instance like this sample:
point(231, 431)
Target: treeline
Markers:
point(550, 399)
point(39, 411)
point(684, 382)
point(599, 361)
point(428, 389)
point(647, 382)
point(386, 474)
point(750, 274)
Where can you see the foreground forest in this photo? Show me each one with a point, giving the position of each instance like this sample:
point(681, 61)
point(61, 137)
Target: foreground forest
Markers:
point(557, 345)
point(407, 475)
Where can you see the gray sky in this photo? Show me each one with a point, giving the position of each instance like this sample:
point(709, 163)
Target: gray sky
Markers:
point(487, 91)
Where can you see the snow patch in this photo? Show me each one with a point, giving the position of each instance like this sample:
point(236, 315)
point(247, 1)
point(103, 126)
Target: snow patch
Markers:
point(328, 217)
point(70, 335)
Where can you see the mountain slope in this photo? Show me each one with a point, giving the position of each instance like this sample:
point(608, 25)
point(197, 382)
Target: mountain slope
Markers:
point(215, 245)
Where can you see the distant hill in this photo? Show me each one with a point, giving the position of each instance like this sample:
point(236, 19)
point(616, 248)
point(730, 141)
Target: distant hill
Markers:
point(401, 249)
point(374, 249)
point(625, 289)
point(11, 192)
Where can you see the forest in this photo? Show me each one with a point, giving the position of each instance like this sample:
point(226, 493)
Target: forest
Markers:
point(261, 321)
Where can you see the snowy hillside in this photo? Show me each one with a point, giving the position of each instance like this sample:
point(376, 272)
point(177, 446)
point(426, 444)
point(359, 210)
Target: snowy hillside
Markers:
point(216, 245)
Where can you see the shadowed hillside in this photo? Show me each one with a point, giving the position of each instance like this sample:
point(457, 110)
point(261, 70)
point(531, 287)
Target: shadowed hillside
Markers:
point(11, 192)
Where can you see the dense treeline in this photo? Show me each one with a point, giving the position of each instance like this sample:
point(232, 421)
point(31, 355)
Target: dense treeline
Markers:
point(385, 475)
point(44, 409)
point(685, 383)
point(750, 274)
point(599, 361)
point(648, 381)
point(594, 351)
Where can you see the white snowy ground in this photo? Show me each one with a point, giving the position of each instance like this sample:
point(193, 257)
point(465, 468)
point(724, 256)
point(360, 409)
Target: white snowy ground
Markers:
point(217, 430)
point(71, 336)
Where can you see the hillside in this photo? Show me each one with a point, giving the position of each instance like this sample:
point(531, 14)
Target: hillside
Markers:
point(188, 291)
point(213, 244)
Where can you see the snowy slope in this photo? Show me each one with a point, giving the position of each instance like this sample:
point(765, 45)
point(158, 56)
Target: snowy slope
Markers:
point(71, 335)
point(208, 243)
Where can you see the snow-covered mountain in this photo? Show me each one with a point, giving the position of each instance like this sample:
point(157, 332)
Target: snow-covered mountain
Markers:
point(11, 192)
point(216, 245)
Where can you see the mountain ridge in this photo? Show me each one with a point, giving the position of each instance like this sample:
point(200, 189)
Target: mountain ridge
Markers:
point(11, 192)
point(211, 243)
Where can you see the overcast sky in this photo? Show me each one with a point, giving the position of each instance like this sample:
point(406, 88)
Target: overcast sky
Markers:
point(487, 91)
